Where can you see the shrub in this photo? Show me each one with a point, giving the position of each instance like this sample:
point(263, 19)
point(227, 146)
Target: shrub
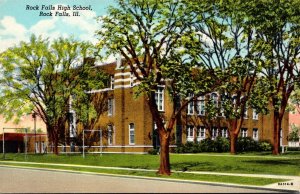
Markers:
point(179, 148)
point(246, 144)
point(153, 151)
point(207, 145)
point(264, 146)
point(222, 144)
point(191, 147)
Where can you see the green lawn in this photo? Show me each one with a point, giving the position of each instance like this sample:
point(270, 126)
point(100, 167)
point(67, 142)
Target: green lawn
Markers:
point(256, 163)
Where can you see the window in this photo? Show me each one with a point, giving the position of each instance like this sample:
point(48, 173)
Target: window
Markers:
point(191, 105)
point(214, 99)
point(234, 97)
point(159, 98)
point(246, 113)
point(131, 134)
point(43, 145)
point(190, 133)
point(110, 134)
point(112, 82)
point(201, 105)
point(244, 132)
point(110, 108)
point(214, 133)
point(224, 132)
point(255, 115)
point(37, 148)
point(201, 133)
point(255, 134)
point(131, 79)
point(224, 98)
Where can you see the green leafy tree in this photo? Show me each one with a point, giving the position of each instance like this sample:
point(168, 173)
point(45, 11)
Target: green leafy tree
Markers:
point(294, 103)
point(40, 76)
point(277, 25)
point(149, 35)
point(294, 134)
point(223, 39)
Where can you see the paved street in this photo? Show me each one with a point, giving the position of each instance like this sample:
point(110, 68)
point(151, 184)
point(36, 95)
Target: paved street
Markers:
point(42, 181)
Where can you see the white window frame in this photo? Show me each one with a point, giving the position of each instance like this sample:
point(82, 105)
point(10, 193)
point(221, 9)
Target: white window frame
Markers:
point(255, 134)
point(254, 114)
point(110, 134)
point(190, 133)
point(244, 132)
point(110, 106)
point(131, 134)
point(214, 133)
point(37, 147)
point(112, 82)
point(224, 132)
point(246, 113)
point(43, 147)
point(201, 105)
point(201, 133)
point(190, 106)
point(159, 98)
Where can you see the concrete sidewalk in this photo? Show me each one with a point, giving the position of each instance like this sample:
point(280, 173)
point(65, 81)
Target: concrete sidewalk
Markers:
point(292, 184)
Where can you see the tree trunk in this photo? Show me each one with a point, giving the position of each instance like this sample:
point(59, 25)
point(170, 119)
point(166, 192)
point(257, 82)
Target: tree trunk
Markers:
point(164, 167)
point(53, 138)
point(55, 141)
point(233, 139)
point(276, 133)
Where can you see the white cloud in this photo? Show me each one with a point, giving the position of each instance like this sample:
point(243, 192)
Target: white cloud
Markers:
point(11, 32)
point(81, 27)
point(44, 26)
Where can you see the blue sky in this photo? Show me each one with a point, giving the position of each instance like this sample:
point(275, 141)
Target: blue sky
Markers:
point(17, 23)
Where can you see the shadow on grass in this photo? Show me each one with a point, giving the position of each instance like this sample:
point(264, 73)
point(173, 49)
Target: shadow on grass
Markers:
point(185, 166)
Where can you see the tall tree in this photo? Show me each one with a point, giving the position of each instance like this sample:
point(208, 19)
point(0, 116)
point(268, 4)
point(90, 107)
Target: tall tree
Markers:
point(149, 35)
point(224, 40)
point(41, 76)
point(277, 25)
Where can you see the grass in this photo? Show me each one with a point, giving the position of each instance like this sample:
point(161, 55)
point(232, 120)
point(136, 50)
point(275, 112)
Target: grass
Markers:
point(186, 176)
point(255, 163)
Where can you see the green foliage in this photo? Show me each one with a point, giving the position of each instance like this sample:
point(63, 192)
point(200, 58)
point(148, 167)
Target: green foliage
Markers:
point(41, 76)
point(207, 145)
point(265, 146)
point(220, 144)
point(153, 151)
point(294, 134)
point(246, 144)
point(294, 105)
